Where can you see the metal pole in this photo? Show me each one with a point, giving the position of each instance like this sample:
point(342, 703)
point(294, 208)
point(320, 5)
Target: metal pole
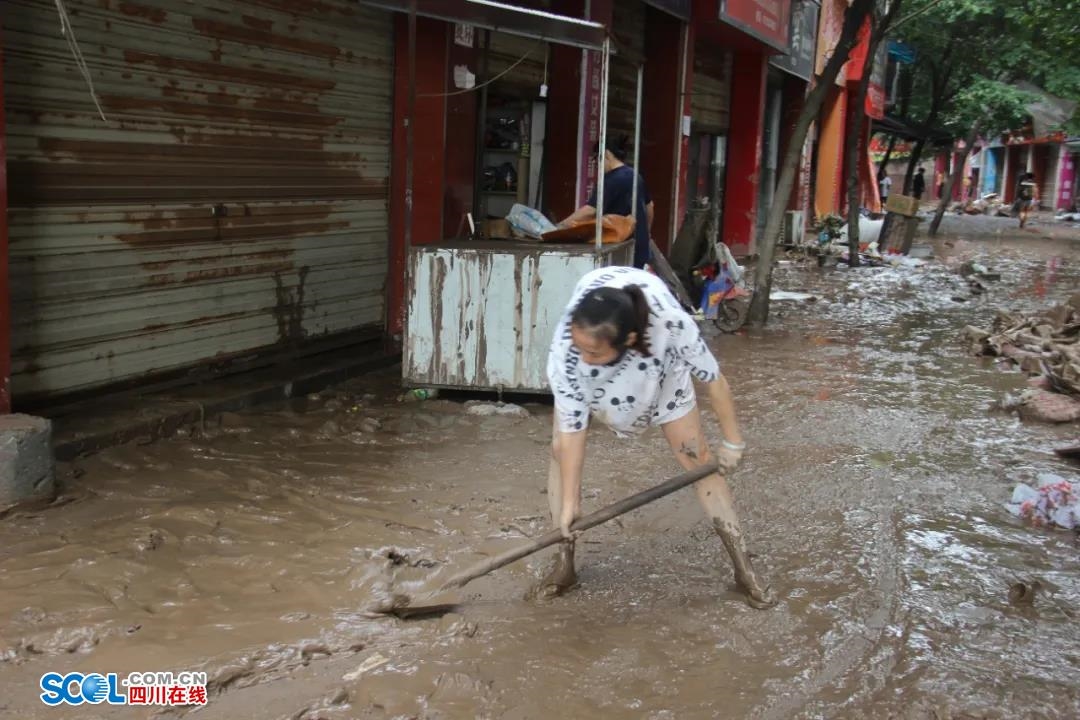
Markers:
point(410, 114)
point(684, 51)
point(5, 289)
point(603, 145)
point(637, 142)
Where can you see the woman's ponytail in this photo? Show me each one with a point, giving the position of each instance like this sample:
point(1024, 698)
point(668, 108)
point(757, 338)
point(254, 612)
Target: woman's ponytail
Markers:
point(641, 318)
point(613, 313)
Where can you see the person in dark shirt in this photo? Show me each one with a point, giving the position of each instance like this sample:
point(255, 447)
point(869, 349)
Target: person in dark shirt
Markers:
point(1026, 193)
point(918, 186)
point(618, 193)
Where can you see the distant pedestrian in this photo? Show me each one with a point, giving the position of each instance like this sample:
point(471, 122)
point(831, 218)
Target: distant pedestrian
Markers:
point(886, 187)
point(939, 183)
point(918, 187)
point(1027, 194)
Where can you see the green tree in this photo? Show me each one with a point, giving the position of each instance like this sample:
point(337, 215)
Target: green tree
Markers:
point(982, 108)
point(854, 16)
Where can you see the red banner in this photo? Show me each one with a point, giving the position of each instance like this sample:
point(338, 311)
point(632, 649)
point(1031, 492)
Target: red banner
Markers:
point(590, 125)
point(767, 20)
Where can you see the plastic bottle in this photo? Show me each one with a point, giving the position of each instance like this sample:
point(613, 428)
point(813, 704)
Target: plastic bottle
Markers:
point(419, 395)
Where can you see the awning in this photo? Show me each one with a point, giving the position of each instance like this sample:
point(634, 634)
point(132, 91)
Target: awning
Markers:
point(1048, 112)
point(891, 125)
point(505, 17)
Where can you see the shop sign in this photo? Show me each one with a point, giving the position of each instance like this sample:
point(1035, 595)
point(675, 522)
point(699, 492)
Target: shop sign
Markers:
point(799, 60)
point(766, 20)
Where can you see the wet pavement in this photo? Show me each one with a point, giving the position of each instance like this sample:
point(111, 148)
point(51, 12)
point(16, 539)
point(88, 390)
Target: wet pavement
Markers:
point(872, 493)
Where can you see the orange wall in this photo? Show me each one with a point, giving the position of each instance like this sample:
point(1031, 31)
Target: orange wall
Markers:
point(827, 194)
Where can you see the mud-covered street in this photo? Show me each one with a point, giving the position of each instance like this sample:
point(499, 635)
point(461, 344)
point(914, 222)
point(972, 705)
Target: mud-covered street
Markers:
point(872, 492)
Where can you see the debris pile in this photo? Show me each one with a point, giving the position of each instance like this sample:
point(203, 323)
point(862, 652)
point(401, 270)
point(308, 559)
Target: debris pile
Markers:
point(976, 274)
point(1054, 501)
point(1047, 347)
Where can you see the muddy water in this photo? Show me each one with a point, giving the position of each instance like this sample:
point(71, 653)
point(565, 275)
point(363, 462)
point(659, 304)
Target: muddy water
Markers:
point(872, 496)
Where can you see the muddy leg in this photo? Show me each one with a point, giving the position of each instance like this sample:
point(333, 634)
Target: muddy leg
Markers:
point(562, 576)
point(688, 442)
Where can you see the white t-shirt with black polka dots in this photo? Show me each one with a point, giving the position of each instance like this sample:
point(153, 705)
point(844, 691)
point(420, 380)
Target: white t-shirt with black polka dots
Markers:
point(635, 391)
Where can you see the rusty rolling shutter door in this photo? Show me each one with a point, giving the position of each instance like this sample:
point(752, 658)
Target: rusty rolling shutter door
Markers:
point(234, 200)
point(518, 62)
point(629, 30)
point(711, 97)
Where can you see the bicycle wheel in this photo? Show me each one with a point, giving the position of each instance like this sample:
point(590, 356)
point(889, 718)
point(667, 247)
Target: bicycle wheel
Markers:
point(731, 315)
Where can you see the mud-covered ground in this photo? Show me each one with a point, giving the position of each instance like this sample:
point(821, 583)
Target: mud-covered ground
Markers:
point(872, 492)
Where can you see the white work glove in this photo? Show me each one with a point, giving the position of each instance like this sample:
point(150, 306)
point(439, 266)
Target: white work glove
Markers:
point(728, 456)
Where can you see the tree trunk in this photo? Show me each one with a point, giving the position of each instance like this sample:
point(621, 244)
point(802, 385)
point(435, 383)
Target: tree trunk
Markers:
point(854, 16)
point(852, 156)
point(954, 176)
point(883, 169)
point(913, 161)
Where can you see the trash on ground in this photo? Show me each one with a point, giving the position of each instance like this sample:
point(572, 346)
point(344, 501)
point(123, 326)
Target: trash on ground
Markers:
point(782, 295)
point(486, 409)
point(1053, 502)
point(365, 667)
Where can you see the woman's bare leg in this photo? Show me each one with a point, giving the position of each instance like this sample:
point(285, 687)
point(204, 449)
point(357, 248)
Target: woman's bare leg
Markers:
point(562, 576)
point(687, 441)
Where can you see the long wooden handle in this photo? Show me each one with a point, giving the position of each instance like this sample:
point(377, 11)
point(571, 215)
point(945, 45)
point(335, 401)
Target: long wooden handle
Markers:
point(584, 523)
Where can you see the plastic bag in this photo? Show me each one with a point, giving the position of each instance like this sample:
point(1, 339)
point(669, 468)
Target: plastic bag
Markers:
point(717, 290)
point(727, 260)
point(528, 221)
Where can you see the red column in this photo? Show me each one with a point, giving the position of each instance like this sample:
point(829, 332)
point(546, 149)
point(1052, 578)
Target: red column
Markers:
point(5, 291)
point(744, 150)
point(461, 119)
point(428, 152)
point(661, 117)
